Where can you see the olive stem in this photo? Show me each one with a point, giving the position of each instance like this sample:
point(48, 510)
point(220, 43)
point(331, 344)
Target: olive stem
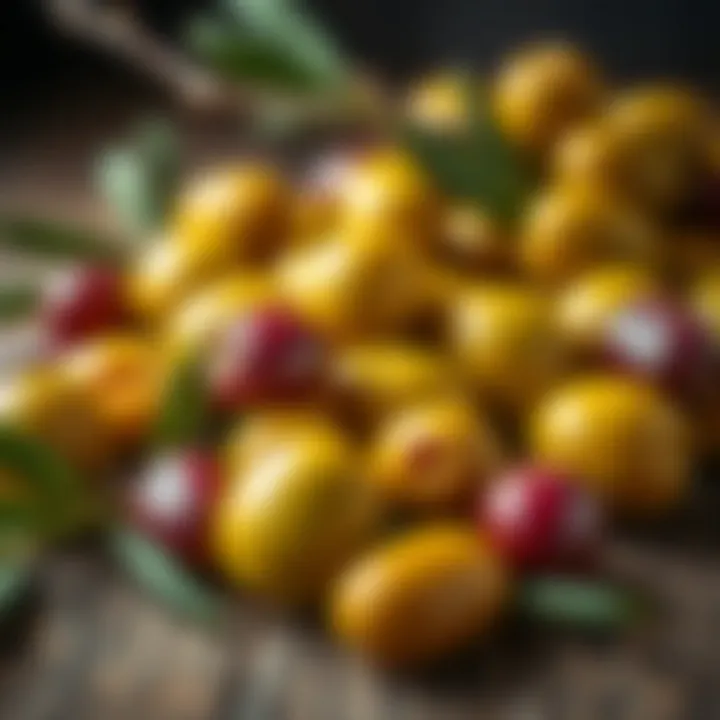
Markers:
point(116, 28)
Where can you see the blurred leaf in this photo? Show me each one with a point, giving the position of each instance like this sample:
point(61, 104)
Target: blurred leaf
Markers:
point(56, 240)
point(54, 487)
point(238, 55)
point(21, 528)
point(15, 578)
point(139, 179)
point(183, 417)
point(18, 302)
point(590, 605)
point(476, 165)
point(295, 33)
point(163, 577)
point(505, 184)
point(445, 157)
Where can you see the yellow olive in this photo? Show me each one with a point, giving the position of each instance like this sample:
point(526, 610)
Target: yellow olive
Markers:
point(49, 405)
point(261, 433)
point(371, 381)
point(586, 304)
point(166, 274)
point(620, 437)
point(388, 193)
point(438, 101)
point(473, 240)
point(434, 455)
point(420, 597)
point(203, 315)
point(123, 376)
point(291, 519)
point(313, 217)
point(664, 130)
point(566, 232)
point(594, 156)
point(356, 283)
point(543, 91)
point(235, 212)
point(506, 340)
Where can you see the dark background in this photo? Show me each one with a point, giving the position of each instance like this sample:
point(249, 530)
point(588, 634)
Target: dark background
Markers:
point(631, 38)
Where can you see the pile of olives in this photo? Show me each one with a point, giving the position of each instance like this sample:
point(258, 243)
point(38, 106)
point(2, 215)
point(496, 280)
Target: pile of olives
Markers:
point(419, 403)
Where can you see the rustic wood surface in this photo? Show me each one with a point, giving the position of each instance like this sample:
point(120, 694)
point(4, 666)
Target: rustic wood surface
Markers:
point(88, 646)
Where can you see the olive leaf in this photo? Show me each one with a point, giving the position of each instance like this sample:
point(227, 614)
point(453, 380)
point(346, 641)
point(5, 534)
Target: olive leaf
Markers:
point(237, 54)
point(15, 579)
point(570, 602)
point(139, 178)
point(183, 417)
point(475, 163)
point(57, 240)
point(56, 489)
point(445, 157)
point(156, 571)
point(18, 302)
point(295, 34)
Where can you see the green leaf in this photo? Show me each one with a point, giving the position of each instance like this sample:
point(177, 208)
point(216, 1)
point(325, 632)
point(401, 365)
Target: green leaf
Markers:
point(55, 488)
point(15, 578)
point(477, 165)
point(18, 302)
point(589, 605)
point(163, 577)
point(445, 157)
point(139, 178)
point(56, 240)
point(183, 417)
point(505, 184)
point(238, 55)
point(293, 32)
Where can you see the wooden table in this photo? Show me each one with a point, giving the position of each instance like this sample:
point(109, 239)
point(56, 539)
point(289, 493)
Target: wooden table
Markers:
point(98, 650)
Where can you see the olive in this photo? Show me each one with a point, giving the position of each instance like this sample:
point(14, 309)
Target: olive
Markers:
point(123, 375)
point(660, 340)
point(238, 212)
point(585, 305)
point(568, 231)
point(541, 521)
point(82, 302)
point(266, 355)
point(620, 438)
point(541, 92)
point(420, 597)
point(507, 342)
point(173, 499)
point(434, 455)
point(290, 520)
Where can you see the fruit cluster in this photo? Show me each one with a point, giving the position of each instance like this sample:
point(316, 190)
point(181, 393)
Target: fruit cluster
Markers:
point(414, 401)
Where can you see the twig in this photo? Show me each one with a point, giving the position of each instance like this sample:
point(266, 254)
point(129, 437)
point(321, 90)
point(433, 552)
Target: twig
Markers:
point(115, 27)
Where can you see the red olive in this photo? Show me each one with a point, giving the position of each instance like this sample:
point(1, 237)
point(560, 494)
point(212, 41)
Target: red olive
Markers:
point(172, 501)
point(267, 355)
point(540, 520)
point(662, 341)
point(83, 302)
